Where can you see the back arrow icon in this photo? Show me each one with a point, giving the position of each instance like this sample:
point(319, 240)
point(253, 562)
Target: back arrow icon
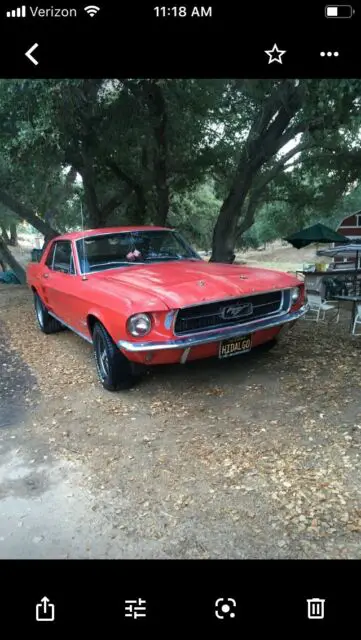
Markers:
point(28, 54)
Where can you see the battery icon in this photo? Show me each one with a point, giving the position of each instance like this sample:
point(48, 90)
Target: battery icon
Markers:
point(339, 11)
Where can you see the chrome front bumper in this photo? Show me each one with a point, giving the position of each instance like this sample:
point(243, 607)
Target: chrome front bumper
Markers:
point(216, 335)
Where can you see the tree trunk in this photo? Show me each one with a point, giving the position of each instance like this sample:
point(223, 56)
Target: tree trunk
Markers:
point(27, 214)
point(225, 230)
point(94, 214)
point(7, 257)
point(133, 186)
point(13, 235)
point(4, 234)
point(158, 111)
point(224, 238)
point(269, 133)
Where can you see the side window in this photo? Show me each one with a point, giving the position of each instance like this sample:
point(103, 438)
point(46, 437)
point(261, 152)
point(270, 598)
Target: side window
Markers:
point(63, 257)
point(49, 260)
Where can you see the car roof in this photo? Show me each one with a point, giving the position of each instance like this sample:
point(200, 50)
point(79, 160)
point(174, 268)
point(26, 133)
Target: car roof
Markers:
point(88, 233)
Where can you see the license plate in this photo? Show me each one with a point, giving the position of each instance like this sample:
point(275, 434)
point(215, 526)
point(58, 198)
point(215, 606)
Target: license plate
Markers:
point(235, 346)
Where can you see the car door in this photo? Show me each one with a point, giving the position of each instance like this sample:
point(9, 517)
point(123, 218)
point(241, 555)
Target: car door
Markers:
point(60, 281)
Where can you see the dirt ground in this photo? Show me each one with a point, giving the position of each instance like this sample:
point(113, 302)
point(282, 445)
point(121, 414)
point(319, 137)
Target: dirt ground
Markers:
point(251, 457)
point(279, 256)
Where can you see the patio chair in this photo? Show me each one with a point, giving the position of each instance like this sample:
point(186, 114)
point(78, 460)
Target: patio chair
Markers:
point(357, 321)
point(320, 310)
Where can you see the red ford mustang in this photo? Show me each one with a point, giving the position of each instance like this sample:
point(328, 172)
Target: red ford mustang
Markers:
point(142, 296)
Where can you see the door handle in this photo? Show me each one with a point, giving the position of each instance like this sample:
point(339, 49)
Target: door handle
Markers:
point(45, 275)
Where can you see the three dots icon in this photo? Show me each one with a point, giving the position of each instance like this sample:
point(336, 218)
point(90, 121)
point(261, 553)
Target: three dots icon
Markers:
point(329, 54)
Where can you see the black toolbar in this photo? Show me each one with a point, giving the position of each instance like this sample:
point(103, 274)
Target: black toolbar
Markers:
point(179, 40)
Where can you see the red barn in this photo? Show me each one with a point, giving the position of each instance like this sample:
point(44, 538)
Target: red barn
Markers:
point(351, 228)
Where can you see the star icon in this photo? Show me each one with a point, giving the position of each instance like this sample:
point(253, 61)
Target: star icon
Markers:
point(275, 54)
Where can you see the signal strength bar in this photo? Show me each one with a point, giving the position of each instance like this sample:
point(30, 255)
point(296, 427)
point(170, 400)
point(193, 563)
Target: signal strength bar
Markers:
point(20, 12)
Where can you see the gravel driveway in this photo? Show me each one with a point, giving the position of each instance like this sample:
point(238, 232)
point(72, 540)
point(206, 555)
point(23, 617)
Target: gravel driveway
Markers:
point(254, 457)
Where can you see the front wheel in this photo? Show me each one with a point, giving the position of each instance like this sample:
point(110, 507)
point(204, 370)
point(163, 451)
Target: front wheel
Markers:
point(114, 370)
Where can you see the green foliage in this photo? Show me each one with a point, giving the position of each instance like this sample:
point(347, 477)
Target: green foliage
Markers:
point(346, 205)
point(6, 217)
point(124, 149)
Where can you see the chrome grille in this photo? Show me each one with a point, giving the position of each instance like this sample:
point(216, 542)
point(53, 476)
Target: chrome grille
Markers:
point(225, 313)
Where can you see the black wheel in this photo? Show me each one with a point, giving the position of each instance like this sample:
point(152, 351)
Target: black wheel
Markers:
point(46, 322)
point(115, 372)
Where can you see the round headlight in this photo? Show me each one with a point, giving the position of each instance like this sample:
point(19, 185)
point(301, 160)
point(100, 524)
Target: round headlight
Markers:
point(139, 324)
point(295, 294)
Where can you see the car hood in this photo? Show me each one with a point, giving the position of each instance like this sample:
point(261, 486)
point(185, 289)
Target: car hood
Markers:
point(178, 284)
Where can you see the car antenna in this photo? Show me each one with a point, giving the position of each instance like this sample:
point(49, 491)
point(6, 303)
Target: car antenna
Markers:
point(83, 239)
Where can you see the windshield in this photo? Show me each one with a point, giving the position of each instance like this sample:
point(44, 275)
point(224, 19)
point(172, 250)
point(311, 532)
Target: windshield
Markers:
point(112, 250)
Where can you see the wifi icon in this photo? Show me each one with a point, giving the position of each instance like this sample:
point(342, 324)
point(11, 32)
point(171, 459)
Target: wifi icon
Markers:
point(91, 10)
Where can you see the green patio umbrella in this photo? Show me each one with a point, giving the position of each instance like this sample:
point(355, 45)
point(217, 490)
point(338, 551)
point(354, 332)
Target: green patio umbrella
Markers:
point(317, 234)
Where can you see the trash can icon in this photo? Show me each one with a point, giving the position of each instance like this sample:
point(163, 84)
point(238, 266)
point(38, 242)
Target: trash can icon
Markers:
point(315, 609)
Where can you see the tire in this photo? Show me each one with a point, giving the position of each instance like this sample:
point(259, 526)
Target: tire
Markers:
point(114, 371)
point(46, 322)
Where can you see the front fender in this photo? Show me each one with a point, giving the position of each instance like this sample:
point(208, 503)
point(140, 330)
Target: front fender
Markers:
point(105, 318)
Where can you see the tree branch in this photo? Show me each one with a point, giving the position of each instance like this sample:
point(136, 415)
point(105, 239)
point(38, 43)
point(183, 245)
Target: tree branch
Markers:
point(7, 257)
point(113, 202)
point(121, 175)
point(256, 193)
point(132, 184)
point(266, 177)
point(27, 214)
